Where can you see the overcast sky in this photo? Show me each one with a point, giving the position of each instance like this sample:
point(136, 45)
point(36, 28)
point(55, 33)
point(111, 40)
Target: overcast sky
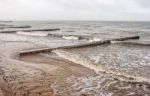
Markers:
point(135, 10)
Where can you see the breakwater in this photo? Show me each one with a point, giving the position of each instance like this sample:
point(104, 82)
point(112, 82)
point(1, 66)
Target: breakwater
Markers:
point(43, 50)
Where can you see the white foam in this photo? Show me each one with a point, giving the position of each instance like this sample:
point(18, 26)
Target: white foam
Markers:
point(70, 37)
point(104, 85)
point(85, 61)
point(90, 85)
point(32, 33)
point(95, 39)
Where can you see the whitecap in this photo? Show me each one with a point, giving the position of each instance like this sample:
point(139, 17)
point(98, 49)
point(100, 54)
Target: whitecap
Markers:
point(32, 33)
point(70, 37)
point(94, 39)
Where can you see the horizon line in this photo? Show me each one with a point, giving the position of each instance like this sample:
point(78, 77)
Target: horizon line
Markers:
point(78, 20)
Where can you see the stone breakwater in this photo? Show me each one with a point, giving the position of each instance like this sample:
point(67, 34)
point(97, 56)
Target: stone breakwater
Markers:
point(44, 50)
point(28, 30)
point(36, 78)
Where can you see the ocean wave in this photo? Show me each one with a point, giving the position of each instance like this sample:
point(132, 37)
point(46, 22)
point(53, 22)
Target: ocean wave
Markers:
point(95, 39)
point(32, 33)
point(71, 37)
point(104, 85)
point(67, 37)
point(117, 73)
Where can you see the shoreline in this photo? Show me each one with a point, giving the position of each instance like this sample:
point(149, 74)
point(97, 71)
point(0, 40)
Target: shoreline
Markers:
point(51, 75)
point(20, 82)
point(72, 61)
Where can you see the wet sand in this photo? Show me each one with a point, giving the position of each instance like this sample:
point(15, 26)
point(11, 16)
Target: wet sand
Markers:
point(1, 93)
point(47, 74)
point(35, 75)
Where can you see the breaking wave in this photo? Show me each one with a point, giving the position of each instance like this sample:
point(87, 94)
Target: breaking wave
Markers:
point(86, 62)
point(95, 39)
point(71, 37)
point(32, 33)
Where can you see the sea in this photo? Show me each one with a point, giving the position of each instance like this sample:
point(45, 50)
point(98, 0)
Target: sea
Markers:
point(123, 66)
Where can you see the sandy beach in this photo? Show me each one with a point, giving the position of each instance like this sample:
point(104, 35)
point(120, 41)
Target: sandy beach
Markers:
point(51, 75)
point(35, 75)
point(80, 59)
